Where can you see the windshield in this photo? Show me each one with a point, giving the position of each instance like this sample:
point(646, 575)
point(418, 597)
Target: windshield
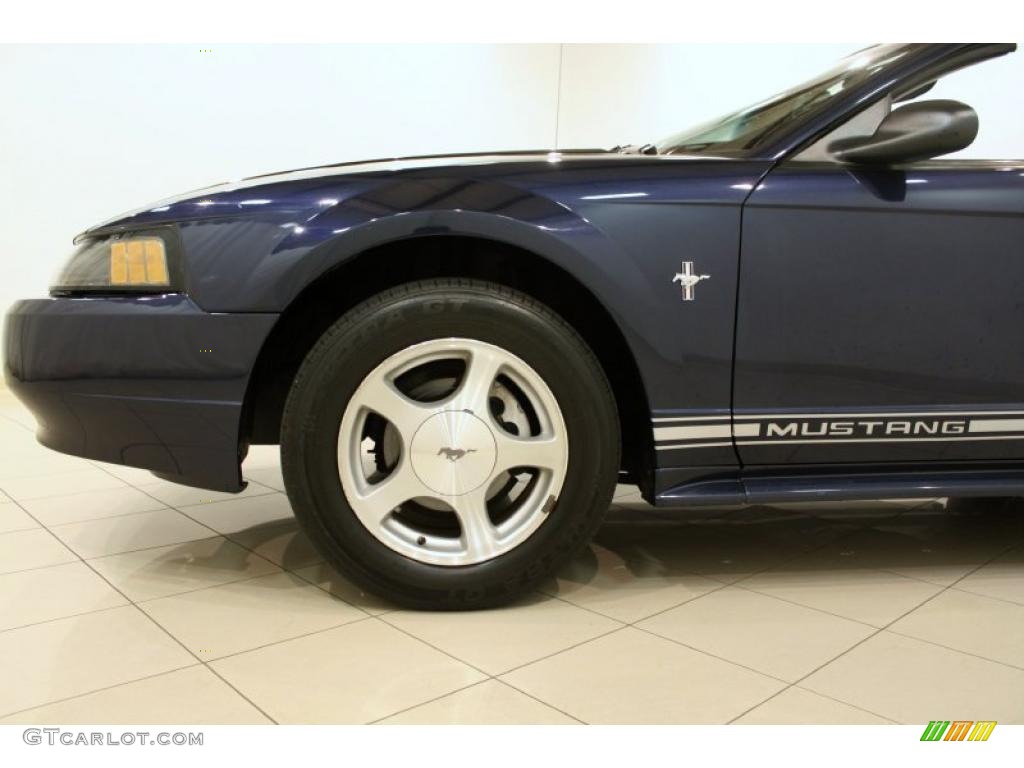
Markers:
point(743, 130)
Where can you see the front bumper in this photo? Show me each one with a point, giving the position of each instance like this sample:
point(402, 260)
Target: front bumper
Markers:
point(151, 382)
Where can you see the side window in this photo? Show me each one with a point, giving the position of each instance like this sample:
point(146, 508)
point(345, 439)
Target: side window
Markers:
point(863, 124)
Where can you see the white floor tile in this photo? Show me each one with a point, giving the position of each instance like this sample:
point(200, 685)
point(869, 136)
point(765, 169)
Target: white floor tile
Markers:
point(487, 703)
point(285, 545)
point(190, 696)
point(14, 518)
point(265, 476)
point(865, 595)
point(500, 639)
point(43, 594)
point(910, 681)
point(161, 571)
point(325, 577)
point(237, 515)
point(90, 505)
point(795, 706)
point(353, 674)
point(974, 624)
point(72, 651)
point(760, 632)
point(48, 662)
point(1002, 578)
point(243, 615)
point(175, 495)
point(632, 677)
point(262, 457)
point(59, 484)
point(625, 588)
point(108, 536)
point(35, 548)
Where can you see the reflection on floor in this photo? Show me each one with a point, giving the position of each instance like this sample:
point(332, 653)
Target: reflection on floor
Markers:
point(127, 600)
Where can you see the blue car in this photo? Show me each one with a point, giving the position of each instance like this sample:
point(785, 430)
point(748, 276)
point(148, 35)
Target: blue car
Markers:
point(460, 356)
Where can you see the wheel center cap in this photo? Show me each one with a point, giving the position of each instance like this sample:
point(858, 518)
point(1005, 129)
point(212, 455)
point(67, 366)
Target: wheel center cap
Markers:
point(453, 453)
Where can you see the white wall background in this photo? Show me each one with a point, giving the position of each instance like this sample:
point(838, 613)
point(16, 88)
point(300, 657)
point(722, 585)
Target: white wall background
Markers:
point(89, 131)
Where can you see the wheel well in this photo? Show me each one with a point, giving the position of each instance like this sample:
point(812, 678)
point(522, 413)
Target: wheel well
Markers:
point(372, 271)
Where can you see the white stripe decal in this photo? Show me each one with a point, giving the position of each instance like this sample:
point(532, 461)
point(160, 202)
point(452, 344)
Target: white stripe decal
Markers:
point(982, 425)
point(996, 425)
point(692, 433)
point(878, 440)
point(746, 430)
point(689, 418)
point(690, 445)
point(890, 414)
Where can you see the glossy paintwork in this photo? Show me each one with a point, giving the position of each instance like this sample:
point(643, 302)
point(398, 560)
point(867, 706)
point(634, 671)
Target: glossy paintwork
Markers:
point(620, 225)
point(780, 485)
point(132, 384)
point(148, 382)
point(896, 289)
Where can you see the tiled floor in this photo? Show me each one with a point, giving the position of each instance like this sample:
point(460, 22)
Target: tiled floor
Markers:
point(127, 600)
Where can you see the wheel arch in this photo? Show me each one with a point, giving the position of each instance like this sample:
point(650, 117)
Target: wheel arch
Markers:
point(362, 275)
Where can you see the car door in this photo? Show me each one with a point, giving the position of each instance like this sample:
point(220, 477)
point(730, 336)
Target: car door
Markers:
point(881, 314)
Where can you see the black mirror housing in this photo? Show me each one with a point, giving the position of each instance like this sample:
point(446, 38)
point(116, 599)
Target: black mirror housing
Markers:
point(917, 131)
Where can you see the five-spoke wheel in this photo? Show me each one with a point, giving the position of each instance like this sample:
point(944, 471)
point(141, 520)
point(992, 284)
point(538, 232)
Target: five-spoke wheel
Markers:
point(449, 444)
point(451, 451)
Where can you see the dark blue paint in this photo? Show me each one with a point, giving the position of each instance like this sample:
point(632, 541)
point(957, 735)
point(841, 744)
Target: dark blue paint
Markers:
point(822, 273)
point(852, 485)
point(127, 380)
point(898, 289)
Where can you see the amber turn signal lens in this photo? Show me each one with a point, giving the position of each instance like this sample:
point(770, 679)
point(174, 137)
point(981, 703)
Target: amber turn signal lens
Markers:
point(138, 261)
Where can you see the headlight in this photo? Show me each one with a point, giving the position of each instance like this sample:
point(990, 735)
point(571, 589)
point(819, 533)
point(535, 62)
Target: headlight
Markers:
point(139, 262)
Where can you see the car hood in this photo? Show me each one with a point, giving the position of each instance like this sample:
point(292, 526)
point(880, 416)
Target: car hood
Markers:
point(317, 187)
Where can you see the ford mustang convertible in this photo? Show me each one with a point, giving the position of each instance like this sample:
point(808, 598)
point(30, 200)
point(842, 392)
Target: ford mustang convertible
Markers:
point(460, 356)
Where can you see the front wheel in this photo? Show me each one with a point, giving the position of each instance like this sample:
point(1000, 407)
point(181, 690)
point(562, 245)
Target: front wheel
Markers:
point(449, 444)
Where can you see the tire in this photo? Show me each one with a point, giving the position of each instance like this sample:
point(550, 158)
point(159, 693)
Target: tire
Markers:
point(476, 537)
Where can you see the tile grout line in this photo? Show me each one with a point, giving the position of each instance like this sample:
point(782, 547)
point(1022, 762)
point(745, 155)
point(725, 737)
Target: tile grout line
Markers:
point(547, 704)
point(118, 516)
point(155, 623)
point(75, 615)
point(1006, 600)
point(242, 580)
point(489, 679)
point(941, 591)
point(815, 609)
point(127, 551)
point(839, 701)
point(788, 684)
point(460, 689)
point(96, 690)
point(328, 590)
point(230, 537)
point(163, 505)
point(722, 584)
point(496, 677)
point(878, 631)
point(951, 648)
point(272, 643)
point(940, 587)
point(365, 617)
point(797, 682)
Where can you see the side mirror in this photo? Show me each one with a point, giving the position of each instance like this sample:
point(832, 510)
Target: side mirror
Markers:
point(913, 132)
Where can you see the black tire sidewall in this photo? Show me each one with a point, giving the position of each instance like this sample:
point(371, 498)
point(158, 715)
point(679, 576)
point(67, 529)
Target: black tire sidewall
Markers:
point(370, 334)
